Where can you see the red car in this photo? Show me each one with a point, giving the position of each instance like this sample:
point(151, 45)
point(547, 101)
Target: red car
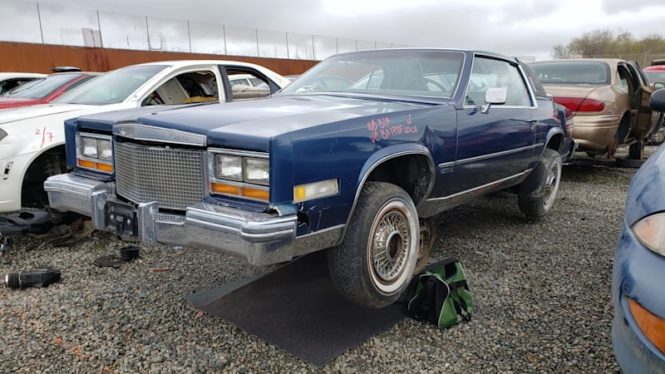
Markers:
point(42, 91)
point(655, 74)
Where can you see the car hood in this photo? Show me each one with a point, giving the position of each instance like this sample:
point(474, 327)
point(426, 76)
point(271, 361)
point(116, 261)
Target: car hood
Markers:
point(250, 124)
point(647, 190)
point(36, 111)
point(570, 90)
point(15, 102)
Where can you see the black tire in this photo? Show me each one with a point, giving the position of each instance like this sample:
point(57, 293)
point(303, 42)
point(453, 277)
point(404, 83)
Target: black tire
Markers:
point(428, 238)
point(537, 193)
point(384, 229)
point(636, 150)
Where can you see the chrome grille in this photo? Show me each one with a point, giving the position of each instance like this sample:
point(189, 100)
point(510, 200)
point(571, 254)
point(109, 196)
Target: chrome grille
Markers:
point(173, 177)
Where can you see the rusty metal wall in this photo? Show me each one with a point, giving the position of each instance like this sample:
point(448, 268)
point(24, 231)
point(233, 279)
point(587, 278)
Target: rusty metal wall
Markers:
point(39, 58)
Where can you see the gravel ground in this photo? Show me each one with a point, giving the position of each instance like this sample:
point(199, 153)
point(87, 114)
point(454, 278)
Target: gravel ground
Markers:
point(542, 291)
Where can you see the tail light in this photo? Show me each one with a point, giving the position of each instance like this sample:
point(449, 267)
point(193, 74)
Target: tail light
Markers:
point(576, 104)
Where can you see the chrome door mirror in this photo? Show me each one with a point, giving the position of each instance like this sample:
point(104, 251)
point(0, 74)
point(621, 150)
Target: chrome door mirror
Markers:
point(494, 96)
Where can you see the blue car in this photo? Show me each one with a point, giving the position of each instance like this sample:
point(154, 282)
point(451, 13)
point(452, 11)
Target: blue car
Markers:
point(638, 281)
point(357, 166)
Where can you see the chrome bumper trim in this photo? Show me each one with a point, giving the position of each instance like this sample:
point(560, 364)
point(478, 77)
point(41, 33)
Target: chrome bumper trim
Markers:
point(260, 238)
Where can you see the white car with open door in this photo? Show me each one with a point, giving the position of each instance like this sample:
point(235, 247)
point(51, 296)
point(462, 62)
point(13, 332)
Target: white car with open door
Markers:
point(32, 138)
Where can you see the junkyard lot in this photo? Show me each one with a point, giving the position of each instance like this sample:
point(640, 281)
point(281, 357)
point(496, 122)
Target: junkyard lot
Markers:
point(542, 291)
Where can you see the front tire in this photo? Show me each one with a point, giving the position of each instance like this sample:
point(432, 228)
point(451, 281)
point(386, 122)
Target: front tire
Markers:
point(538, 192)
point(377, 258)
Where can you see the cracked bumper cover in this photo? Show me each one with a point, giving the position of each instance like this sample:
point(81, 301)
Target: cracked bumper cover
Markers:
point(260, 238)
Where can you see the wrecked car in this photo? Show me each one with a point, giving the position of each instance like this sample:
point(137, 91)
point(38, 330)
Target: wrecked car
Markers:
point(32, 138)
point(609, 99)
point(359, 169)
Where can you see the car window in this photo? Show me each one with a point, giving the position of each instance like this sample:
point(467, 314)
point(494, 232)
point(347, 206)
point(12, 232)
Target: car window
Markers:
point(572, 72)
point(655, 76)
point(385, 72)
point(247, 84)
point(113, 87)
point(9, 85)
point(43, 87)
point(625, 81)
point(491, 73)
point(538, 88)
point(191, 87)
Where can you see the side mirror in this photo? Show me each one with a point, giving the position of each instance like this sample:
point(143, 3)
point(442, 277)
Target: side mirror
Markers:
point(494, 96)
point(657, 101)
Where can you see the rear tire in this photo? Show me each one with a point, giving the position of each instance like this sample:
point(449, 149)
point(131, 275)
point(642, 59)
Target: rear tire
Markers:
point(537, 193)
point(377, 258)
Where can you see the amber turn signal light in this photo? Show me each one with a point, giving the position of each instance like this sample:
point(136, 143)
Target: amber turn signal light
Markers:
point(652, 326)
point(249, 192)
point(106, 168)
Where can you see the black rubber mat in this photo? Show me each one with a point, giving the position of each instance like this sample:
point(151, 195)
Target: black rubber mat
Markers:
point(297, 309)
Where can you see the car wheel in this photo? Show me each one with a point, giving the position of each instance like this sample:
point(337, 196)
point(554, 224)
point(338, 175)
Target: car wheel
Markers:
point(636, 150)
point(538, 192)
point(378, 255)
point(428, 237)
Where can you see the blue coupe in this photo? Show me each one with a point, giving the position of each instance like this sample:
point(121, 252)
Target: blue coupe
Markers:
point(356, 156)
point(638, 281)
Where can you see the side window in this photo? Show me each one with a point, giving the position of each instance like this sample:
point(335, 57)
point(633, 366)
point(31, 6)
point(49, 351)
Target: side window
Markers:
point(10, 84)
point(625, 82)
point(186, 88)
point(490, 73)
point(247, 84)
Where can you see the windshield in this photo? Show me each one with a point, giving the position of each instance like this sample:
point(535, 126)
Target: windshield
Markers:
point(655, 76)
point(43, 87)
point(388, 72)
point(113, 87)
point(572, 72)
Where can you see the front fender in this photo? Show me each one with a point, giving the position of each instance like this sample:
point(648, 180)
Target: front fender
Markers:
point(390, 152)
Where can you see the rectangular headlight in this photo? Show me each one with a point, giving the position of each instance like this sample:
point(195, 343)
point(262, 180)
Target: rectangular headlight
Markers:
point(228, 167)
point(256, 170)
point(316, 190)
point(94, 152)
point(88, 147)
point(104, 150)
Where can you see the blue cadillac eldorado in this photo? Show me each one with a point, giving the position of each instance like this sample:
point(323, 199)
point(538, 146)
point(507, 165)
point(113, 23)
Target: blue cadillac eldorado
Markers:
point(356, 156)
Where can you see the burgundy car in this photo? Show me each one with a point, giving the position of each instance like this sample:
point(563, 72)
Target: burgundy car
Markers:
point(43, 91)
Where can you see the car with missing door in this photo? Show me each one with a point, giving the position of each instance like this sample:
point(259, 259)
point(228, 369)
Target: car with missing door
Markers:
point(608, 98)
point(357, 169)
point(32, 138)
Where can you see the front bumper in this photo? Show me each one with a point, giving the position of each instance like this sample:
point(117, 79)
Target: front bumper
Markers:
point(260, 238)
point(638, 274)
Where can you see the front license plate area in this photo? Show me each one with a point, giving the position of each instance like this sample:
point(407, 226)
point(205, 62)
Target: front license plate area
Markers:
point(121, 218)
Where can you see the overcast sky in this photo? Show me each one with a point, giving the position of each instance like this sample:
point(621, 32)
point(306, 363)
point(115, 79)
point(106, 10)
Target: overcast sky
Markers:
point(515, 27)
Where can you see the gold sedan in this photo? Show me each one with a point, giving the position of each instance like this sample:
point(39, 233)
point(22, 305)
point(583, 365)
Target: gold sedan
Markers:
point(608, 98)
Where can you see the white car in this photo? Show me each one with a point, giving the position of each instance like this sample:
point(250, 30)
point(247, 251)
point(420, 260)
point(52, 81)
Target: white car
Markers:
point(32, 138)
point(9, 81)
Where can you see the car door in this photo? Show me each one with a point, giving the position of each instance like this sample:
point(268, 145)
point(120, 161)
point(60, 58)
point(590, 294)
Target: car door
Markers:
point(187, 86)
point(640, 101)
point(498, 144)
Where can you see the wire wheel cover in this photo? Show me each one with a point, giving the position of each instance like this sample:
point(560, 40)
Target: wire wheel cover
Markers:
point(390, 245)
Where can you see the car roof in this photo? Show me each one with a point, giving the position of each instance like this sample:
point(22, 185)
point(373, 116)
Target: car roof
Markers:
point(605, 60)
point(655, 68)
point(474, 51)
point(6, 75)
